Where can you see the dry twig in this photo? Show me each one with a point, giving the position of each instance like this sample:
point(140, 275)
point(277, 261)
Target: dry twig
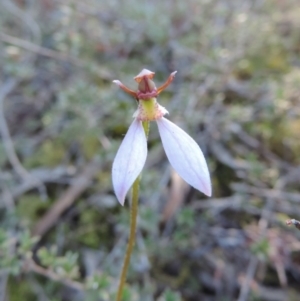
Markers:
point(7, 88)
point(80, 184)
point(38, 49)
point(176, 197)
point(30, 265)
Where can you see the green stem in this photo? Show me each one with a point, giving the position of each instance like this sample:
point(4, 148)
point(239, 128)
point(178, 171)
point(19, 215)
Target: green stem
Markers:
point(133, 221)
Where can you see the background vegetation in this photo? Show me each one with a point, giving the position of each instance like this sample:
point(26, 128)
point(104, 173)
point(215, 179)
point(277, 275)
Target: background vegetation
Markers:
point(237, 93)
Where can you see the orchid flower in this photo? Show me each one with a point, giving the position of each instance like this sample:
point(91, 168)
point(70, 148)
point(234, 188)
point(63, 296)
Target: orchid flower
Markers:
point(182, 151)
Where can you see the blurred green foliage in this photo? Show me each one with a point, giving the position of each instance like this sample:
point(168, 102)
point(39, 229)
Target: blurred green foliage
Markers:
point(236, 93)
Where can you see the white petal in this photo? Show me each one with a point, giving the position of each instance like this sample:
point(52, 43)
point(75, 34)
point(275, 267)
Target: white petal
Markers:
point(130, 160)
point(185, 155)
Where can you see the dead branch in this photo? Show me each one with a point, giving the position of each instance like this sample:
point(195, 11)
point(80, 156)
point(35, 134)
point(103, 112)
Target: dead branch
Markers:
point(80, 184)
point(38, 49)
point(267, 193)
point(30, 265)
point(6, 89)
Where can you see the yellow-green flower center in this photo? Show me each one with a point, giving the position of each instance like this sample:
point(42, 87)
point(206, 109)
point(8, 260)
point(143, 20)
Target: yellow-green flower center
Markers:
point(149, 110)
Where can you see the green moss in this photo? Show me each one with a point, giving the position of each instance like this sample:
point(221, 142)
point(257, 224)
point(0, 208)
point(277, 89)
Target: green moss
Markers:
point(90, 145)
point(31, 207)
point(92, 231)
point(20, 290)
point(50, 154)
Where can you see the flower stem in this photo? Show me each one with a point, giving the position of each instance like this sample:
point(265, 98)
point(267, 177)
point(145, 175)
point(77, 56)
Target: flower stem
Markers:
point(133, 221)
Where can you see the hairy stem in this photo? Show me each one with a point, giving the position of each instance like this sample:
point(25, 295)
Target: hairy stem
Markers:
point(133, 221)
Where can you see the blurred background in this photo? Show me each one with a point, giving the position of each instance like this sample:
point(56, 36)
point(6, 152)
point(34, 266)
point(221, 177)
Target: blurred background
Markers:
point(237, 93)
